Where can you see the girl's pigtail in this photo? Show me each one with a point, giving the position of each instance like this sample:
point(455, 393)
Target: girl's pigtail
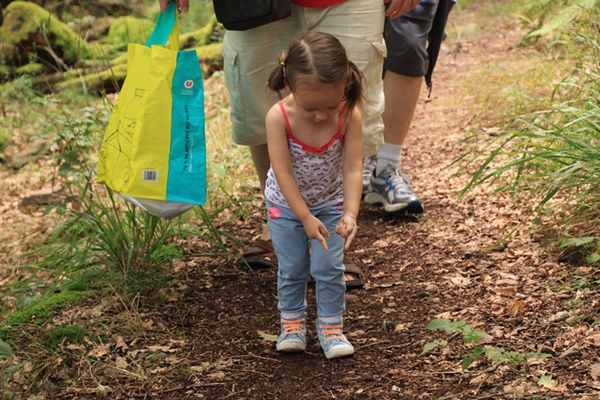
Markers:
point(354, 94)
point(276, 81)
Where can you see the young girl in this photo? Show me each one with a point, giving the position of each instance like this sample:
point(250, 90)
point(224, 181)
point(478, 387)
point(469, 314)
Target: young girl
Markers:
point(314, 185)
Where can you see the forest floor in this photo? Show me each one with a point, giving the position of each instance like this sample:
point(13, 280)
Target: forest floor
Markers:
point(214, 335)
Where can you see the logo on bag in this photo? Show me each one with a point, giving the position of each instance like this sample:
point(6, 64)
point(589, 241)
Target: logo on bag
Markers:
point(188, 85)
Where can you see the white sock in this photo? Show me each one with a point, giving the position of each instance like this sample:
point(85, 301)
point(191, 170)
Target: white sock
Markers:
point(291, 316)
point(388, 154)
point(331, 320)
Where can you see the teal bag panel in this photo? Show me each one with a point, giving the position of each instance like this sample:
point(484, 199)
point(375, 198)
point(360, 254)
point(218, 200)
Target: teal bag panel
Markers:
point(187, 159)
point(164, 26)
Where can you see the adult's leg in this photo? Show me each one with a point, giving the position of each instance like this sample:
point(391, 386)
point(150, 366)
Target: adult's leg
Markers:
point(399, 109)
point(405, 67)
point(249, 56)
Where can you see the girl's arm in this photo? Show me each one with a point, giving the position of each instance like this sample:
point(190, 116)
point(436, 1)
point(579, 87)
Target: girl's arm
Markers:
point(279, 153)
point(352, 171)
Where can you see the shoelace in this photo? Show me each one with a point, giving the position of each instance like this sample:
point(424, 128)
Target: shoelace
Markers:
point(292, 327)
point(369, 166)
point(332, 332)
point(400, 180)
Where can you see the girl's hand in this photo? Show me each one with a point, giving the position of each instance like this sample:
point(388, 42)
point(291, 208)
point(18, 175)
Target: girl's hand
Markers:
point(347, 229)
point(316, 230)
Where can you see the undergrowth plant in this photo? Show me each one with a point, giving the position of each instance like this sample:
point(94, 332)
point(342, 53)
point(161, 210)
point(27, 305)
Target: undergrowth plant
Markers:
point(470, 335)
point(550, 160)
point(549, 16)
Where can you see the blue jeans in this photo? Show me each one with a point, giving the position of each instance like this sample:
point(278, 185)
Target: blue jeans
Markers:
point(299, 257)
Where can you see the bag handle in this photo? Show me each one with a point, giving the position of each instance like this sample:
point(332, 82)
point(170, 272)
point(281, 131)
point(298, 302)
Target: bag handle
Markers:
point(166, 28)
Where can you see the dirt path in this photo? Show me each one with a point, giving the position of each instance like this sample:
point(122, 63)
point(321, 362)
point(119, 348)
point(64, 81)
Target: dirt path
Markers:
point(214, 337)
point(417, 270)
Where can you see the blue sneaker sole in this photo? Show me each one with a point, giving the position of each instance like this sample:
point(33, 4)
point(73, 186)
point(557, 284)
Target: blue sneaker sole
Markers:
point(375, 199)
point(415, 207)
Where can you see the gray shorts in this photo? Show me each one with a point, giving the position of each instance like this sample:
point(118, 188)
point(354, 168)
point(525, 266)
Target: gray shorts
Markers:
point(406, 40)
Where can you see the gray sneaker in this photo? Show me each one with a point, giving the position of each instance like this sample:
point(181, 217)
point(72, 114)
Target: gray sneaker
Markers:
point(368, 169)
point(391, 190)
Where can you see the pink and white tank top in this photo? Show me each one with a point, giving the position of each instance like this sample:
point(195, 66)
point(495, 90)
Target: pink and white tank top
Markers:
point(318, 171)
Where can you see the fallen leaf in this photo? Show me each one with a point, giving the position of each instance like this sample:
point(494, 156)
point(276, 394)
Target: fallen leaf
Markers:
point(546, 381)
point(497, 309)
point(121, 363)
point(267, 336)
point(515, 307)
point(595, 371)
point(121, 345)
point(507, 291)
point(478, 380)
point(381, 243)
point(161, 349)
point(99, 351)
point(460, 280)
point(147, 324)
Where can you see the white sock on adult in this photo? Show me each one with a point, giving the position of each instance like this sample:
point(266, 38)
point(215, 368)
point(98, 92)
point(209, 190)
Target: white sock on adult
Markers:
point(388, 154)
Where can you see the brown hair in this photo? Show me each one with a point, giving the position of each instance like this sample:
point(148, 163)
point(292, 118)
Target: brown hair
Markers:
point(322, 57)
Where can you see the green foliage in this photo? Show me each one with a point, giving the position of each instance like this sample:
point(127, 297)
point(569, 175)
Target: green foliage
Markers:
point(206, 228)
point(40, 311)
point(549, 16)
point(550, 161)
point(5, 349)
point(73, 139)
point(24, 20)
point(106, 232)
point(70, 334)
point(471, 336)
point(166, 253)
point(4, 139)
point(129, 29)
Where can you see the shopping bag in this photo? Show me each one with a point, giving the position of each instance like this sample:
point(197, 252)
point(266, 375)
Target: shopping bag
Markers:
point(154, 148)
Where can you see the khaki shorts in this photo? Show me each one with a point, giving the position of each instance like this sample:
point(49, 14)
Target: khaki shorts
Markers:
point(249, 57)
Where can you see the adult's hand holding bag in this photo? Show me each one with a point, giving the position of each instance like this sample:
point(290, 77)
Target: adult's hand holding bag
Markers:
point(154, 148)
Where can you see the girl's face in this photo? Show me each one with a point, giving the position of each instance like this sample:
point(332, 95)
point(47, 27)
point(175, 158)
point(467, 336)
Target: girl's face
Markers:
point(318, 102)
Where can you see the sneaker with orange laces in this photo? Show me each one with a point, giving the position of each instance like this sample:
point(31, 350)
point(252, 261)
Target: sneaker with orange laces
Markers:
point(293, 335)
point(332, 340)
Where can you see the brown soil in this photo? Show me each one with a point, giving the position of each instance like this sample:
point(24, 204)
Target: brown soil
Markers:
point(214, 335)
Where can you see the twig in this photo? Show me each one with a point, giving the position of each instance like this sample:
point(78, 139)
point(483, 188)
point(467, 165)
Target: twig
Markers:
point(372, 344)
point(195, 385)
point(245, 370)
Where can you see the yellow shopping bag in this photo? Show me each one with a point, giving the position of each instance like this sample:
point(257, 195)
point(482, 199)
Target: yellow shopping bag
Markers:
point(154, 148)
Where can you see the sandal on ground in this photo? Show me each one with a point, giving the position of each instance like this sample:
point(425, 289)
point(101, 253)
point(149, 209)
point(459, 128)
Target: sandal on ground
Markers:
point(354, 277)
point(260, 255)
